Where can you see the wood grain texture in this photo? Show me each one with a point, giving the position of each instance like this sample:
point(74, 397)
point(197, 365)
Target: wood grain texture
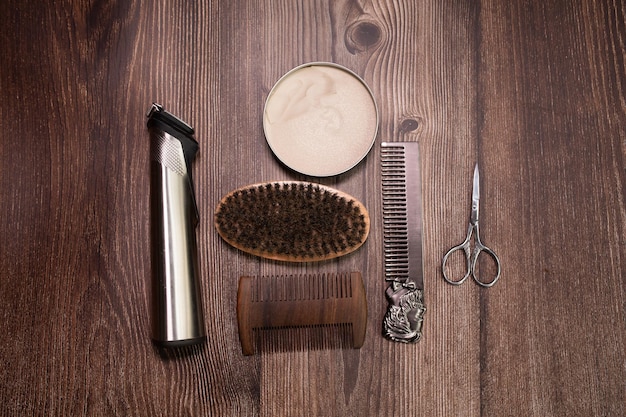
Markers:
point(533, 91)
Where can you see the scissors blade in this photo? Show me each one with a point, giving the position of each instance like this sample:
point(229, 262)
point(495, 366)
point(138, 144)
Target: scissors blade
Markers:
point(475, 196)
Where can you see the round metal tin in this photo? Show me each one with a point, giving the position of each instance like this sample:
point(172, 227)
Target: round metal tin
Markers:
point(320, 119)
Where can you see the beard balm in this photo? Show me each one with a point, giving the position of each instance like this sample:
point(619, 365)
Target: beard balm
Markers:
point(320, 119)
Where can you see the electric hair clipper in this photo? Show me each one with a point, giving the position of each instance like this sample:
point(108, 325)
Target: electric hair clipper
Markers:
point(177, 313)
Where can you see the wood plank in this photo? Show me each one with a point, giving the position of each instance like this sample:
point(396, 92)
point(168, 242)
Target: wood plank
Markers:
point(554, 161)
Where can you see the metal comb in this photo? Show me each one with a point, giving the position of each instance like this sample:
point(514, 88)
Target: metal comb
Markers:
point(402, 235)
point(301, 301)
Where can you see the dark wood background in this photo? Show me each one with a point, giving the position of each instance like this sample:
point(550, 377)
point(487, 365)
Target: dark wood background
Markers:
point(533, 90)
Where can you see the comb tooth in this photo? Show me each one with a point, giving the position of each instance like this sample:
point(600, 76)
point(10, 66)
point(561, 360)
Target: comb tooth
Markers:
point(326, 286)
point(318, 289)
point(340, 287)
point(398, 233)
point(311, 288)
point(396, 252)
point(284, 290)
point(254, 293)
point(288, 291)
point(395, 210)
point(394, 220)
point(397, 269)
point(349, 280)
point(331, 286)
point(396, 240)
point(390, 229)
point(395, 223)
point(396, 255)
point(396, 258)
point(395, 236)
point(299, 288)
point(396, 262)
point(393, 227)
point(265, 291)
point(263, 296)
point(344, 286)
point(277, 289)
point(274, 289)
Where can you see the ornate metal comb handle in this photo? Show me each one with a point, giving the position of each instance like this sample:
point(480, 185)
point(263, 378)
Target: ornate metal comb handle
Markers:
point(402, 224)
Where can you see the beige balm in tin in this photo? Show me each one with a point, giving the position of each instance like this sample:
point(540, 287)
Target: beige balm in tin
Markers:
point(320, 119)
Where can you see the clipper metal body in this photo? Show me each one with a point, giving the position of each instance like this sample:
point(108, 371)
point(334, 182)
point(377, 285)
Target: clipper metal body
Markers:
point(177, 313)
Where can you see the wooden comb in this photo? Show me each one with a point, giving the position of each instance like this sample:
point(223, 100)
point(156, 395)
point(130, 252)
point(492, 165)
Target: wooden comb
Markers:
point(297, 301)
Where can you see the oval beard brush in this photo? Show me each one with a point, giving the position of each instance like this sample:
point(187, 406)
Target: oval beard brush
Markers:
point(292, 221)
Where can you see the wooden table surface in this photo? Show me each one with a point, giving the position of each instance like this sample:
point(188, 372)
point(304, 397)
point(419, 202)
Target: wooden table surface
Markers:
point(534, 91)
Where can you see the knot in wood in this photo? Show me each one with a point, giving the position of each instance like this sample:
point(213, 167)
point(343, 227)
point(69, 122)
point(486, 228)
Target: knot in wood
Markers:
point(409, 125)
point(361, 36)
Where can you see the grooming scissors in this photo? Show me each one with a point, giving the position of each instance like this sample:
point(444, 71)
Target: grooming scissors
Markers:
point(472, 257)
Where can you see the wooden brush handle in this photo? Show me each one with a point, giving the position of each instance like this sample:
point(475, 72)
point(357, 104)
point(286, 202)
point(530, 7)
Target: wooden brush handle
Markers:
point(301, 301)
